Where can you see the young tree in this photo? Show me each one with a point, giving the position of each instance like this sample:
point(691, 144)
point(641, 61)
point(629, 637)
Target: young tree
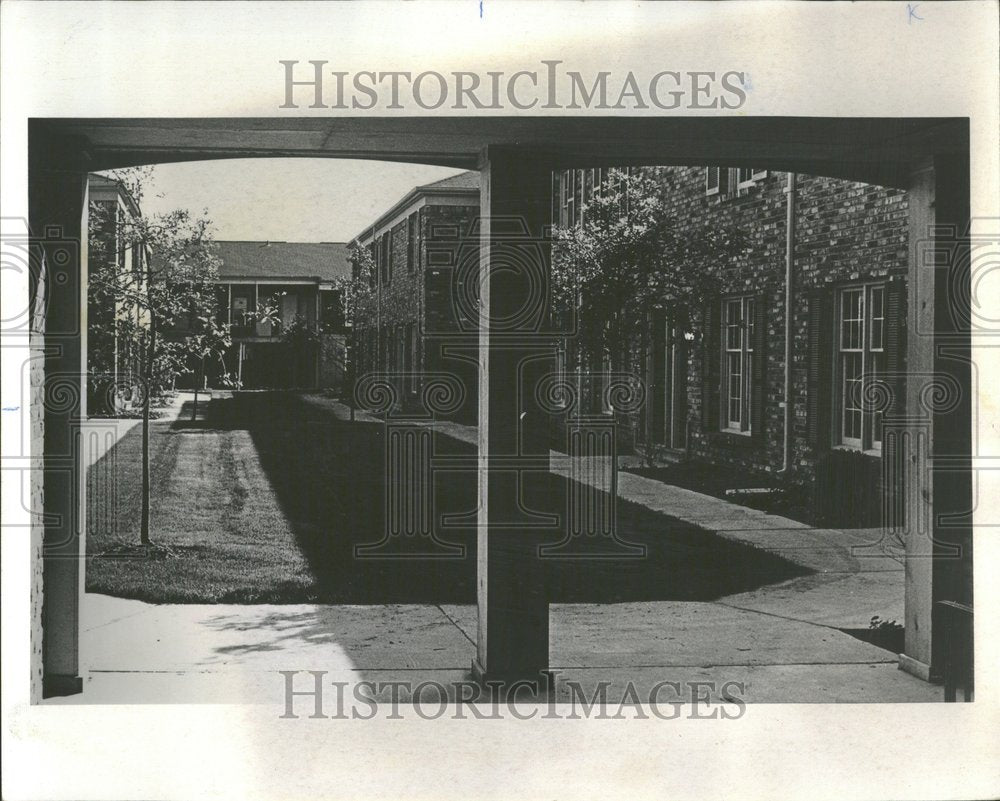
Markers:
point(358, 297)
point(627, 259)
point(170, 319)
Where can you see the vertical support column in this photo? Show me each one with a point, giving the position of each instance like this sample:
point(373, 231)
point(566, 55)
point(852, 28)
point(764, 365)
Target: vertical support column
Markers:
point(58, 219)
point(514, 354)
point(938, 513)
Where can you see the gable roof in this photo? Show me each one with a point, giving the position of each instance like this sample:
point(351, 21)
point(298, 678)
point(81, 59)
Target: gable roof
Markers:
point(322, 261)
point(464, 180)
point(464, 183)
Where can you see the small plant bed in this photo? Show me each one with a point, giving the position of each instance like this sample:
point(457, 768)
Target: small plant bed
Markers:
point(735, 486)
point(887, 634)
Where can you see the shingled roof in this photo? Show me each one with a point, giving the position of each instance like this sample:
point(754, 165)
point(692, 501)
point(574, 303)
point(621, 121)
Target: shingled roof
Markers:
point(464, 183)
point(265, 261)
point(464, 180)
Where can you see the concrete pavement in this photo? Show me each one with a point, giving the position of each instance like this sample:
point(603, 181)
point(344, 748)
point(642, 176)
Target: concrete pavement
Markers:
point(136, 652)
point(781, 642)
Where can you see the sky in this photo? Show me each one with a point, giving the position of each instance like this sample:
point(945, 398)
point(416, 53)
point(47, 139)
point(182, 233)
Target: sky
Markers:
point(291, 200)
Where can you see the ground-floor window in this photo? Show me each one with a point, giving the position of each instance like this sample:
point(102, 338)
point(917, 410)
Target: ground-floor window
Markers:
point(737, 373)
point(860, 362)
point(412, 344)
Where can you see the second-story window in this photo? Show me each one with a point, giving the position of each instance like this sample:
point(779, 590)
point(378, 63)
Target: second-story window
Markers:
point(731, 180)
point(568, 198)
point(373, 275)
point(716, 180)
point(385, 259)
point(411, 243)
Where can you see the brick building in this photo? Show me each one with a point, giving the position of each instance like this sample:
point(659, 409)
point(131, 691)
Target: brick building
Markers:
point(715, 377)
point(117, 274)
point(415, 324)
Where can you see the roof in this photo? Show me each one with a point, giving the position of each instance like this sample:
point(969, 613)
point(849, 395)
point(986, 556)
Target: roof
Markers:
point(464, 183)
point(322, 261)
point(96, 181)
point(464, 180)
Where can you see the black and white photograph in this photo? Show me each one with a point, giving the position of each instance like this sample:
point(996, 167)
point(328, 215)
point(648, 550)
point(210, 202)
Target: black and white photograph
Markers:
point(402, 412)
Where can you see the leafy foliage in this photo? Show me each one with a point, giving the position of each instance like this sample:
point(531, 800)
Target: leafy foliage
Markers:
point(357, 293)
point(164, 304)
point(151, 282)
point(630, 257)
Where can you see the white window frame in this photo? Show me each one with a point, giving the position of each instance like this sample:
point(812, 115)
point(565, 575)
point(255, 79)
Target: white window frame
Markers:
point(411, 243)
point(568, 197)
point(746, 177)
point(869, 347)
point(737, 351)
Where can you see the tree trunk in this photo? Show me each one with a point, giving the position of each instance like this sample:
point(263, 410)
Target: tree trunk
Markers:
point(197, 381)
point(147, 393)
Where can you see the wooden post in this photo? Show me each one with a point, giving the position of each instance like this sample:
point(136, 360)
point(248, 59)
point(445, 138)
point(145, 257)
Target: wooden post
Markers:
point(515, 190)
point(58, 218)
point(937, 425)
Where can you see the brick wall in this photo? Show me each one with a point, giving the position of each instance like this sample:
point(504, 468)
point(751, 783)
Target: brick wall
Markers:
point(423, 296)
point(36, 354)
point(845, 231)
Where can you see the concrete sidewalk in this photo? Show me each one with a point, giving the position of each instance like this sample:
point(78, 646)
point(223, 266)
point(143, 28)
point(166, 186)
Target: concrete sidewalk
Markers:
point(782, 642)
point(103, 433)
point(822, 550)
point(136, 652)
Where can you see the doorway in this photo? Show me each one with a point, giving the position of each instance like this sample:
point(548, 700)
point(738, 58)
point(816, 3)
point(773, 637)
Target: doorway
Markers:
point(663, 423)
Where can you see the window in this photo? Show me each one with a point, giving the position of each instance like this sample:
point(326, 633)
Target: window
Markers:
point(599, 176)
point(745, 177)
point(737, 342)
point(860, 362)
point(413, 366)
point(716, 181)
point(385, 258)
point(621, 187)
point(411, 242)
point(373, 252)
point(567, 188)
point(573, 190)
point(731, 180)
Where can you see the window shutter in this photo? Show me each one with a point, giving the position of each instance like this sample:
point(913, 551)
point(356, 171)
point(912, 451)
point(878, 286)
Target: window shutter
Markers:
point(820, 383)
point(711, 345)
point(895, 344)
point(758, 369)
point(716, 180)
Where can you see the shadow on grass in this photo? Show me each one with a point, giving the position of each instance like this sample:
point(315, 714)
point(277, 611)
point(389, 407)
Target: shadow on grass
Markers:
point(329, 476)
point(266, 496)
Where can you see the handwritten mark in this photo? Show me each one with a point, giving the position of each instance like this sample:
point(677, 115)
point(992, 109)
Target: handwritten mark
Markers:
point(911, 13)
point(480, 9)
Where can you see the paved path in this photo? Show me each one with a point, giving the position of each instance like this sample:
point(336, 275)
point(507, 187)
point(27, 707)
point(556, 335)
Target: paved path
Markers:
point(136, 652)
point(782, 642)
point(103, 433)
point(822, 550)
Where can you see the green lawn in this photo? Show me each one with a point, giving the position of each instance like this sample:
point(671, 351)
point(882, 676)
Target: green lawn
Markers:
point(265, 500)
point(213, 506)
